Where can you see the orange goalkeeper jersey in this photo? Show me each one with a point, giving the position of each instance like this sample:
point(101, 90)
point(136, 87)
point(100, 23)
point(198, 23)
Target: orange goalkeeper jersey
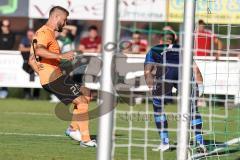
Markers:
point(50, 70)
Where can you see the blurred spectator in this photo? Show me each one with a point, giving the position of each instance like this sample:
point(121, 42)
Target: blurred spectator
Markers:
point(202, 44)
point(203, 41)
point(138, 45)
point(66, 38)
point(91, 43)
point(7, 40)
point(24, 48)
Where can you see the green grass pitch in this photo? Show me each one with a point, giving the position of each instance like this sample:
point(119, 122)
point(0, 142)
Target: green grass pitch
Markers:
point(30, 130)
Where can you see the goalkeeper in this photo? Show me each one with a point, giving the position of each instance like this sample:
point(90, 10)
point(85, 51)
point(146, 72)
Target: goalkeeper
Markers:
point(164, 60)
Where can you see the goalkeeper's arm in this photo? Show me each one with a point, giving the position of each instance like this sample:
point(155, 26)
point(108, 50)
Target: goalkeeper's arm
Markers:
point(148, 74)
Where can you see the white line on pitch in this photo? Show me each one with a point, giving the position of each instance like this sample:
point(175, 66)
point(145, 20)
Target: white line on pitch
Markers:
point(57, 135)
point(32, 134)
point(28, 113)
point(139, 139)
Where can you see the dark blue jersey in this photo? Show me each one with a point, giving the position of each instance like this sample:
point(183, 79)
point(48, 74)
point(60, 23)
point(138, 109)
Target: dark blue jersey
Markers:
point(166, 58)
point(163, 54)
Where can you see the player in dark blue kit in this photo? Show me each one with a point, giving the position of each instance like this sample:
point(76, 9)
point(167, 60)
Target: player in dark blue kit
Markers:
point(164, 60)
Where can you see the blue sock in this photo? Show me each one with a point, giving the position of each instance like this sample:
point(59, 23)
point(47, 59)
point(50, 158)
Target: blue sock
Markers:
point(199, 138)
point(160, 120)
point(197, 125)
point(164, 137)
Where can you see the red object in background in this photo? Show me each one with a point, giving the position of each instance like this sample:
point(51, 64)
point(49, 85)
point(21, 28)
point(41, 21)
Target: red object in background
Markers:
point(89, 44)
point(141, 46)
point(203, 41)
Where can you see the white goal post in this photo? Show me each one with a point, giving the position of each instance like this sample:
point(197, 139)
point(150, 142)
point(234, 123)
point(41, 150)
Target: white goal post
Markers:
point(183, 125)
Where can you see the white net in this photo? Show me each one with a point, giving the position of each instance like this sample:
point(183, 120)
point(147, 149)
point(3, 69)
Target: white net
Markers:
point(215, 122)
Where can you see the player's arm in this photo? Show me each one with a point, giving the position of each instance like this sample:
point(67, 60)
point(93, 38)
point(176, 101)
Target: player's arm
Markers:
point(33, 63)
point(22, 48)
point(83, 49)
point(219, 44)
point(199, 79)
point(148, 74)
point(91, 50)
point(72, 28)
point(149, 66)
point(197, 74)
point(43, 52)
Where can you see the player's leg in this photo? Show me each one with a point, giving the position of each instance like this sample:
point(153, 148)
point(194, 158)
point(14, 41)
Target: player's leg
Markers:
point(160, 118)
point(199, 81)
point(196, 119)
point(81, 117)
point(196, 123)
point(161, 124)
point(73, 130)
point(163, 93)
point(73, 123)
point(70, 92)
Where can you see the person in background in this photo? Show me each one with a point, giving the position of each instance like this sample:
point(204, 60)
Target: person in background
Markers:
point(24, 48)
point(66, 38)
point(203, 41)
point(137, 44)
point(202, 44)
point(91, 43)
point(7, 40)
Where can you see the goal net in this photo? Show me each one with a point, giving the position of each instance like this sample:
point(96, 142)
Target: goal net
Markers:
point(214, 119)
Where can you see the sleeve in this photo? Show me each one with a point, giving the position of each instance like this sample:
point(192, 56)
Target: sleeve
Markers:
point(149, 58)
point(44, 38)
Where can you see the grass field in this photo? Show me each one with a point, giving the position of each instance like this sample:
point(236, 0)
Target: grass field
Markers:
point(30, 130)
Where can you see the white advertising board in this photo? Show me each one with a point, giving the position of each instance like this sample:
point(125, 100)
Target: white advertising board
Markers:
point(11, 72)
point(220, 77)
point(129, 10)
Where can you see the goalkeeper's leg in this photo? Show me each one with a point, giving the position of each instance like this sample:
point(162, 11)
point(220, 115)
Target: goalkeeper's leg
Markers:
point(196, 119)
point(160, 120)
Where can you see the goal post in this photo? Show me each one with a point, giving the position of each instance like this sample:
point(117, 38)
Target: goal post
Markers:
point(107, 93)
point(189, 21)
point(129, 130)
